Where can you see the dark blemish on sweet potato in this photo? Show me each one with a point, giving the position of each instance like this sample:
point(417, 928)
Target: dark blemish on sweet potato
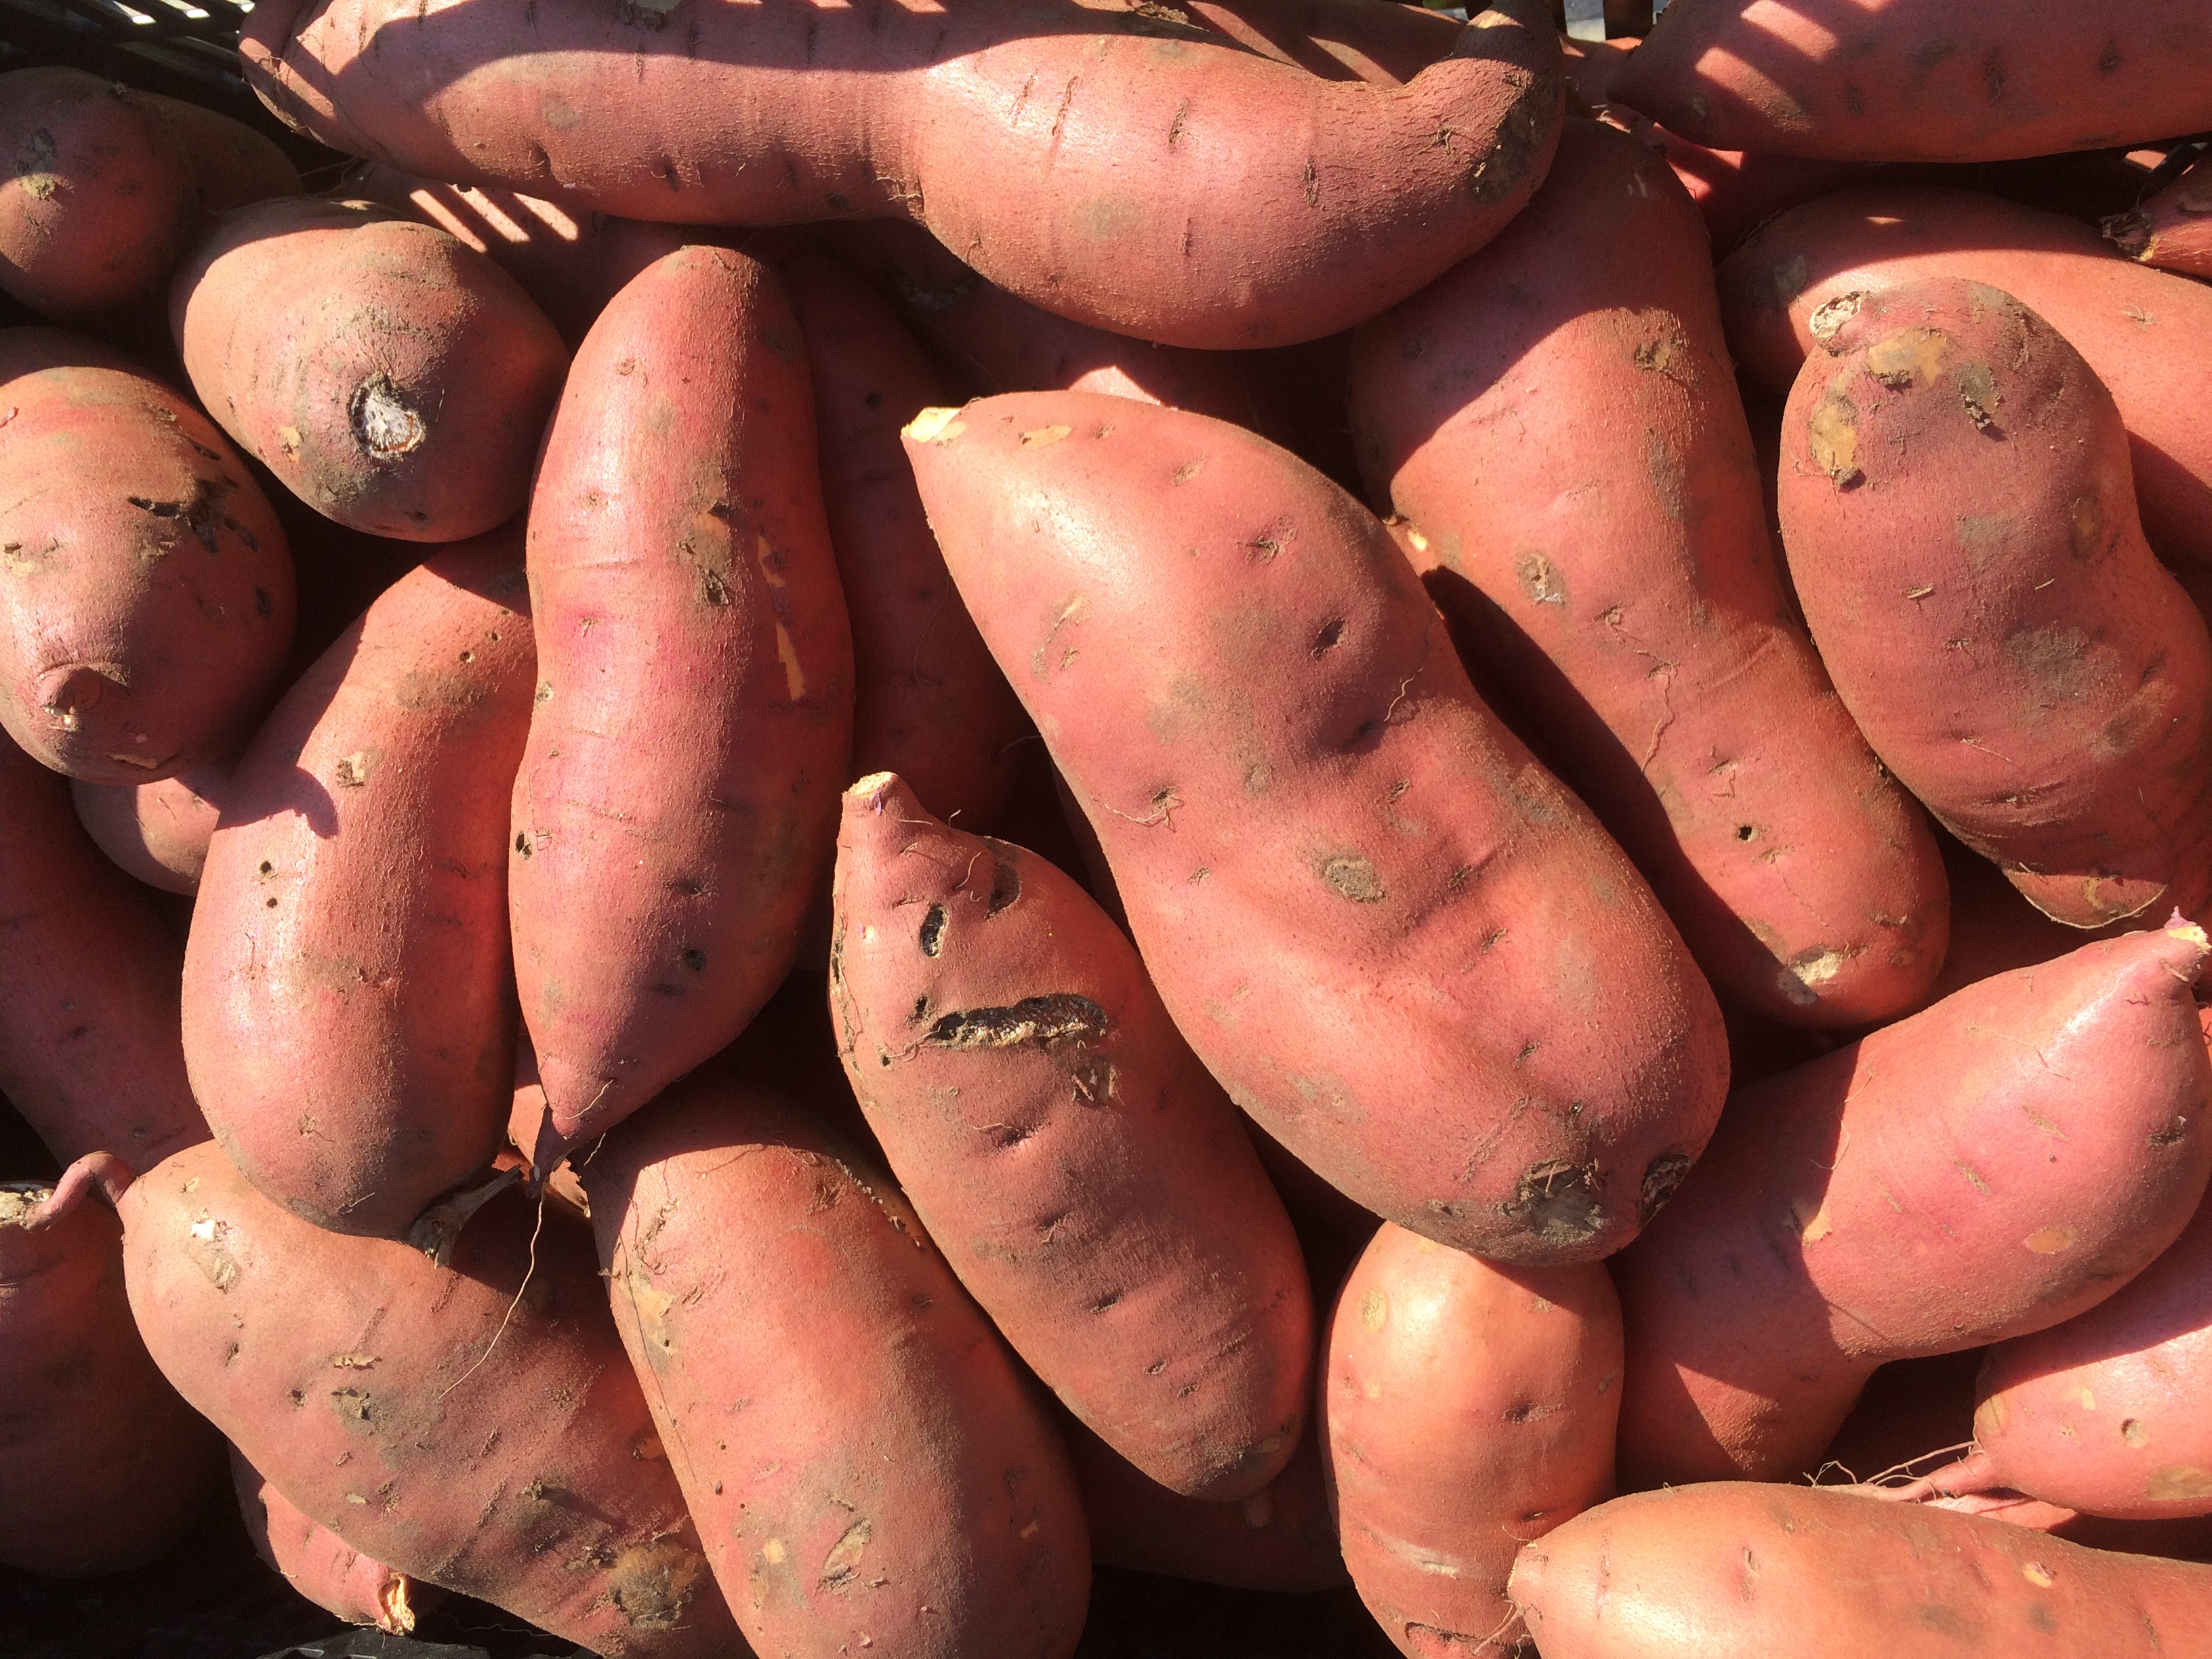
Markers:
point(2109, 59)
point(1661, 1177)
point(1349, 876)
point(1332, 633)
point(353, 1406)
point(264, 607)
point(522, 843)
point(1978, 391)
point(384, 423)
point(1112, 1299)
point(1540, 578)
point(1558, 1202)
point(693, 959)
point(1044, 1020)
point(1520, 138)
point(1993, 74)
point(1832, 439)
point(2172, 1135)
point(1006, 886)
point(932, 931)
point(840, 1568)
point(652, 1584)
point(1175, 127)
point(1312, 184)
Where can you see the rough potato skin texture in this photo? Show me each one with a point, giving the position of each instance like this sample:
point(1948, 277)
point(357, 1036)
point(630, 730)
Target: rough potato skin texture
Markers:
point(1988, 1168)
point(349, 1004)
point(1922, 80)
point(149, 600)
point(863, 1458)
point(1466, 1408)
point(2173, 229)
point(677, 807)
point(321, 1565)
point(390, 376)
point(928, 702)
point(103, 1467)
point(1959, 517)
point(91, 1048)
point(157, 833)
point(1391, 935)
point(1104, 163)
point(1617, 574)
point(460, 1428)
point(1736, 1570)
point(1084, 1177)
point(2145, 333)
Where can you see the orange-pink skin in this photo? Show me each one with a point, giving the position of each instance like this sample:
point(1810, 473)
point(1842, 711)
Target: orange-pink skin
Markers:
point(151, 603)
point(1960, 520)
point(1740, 1571)
point(2146, 334)
point(928, 702)
point(437, 1418)
point(863, 1458)
point(1922, 80)
point(677, 805)
point(1384, 44)
point(1399, 944)
point(1558, 420)
point(231, 163)
point(103, 1467)
point(1103, 163)
point(390, 376)
point(156, 833)
point(90, 1050)
point(1279, 1539)
point(1084, 1177)
point(349, 1003)
point(321, 1565)
point(2173, 229)
point(1467, 1409)
point(1990, 1167)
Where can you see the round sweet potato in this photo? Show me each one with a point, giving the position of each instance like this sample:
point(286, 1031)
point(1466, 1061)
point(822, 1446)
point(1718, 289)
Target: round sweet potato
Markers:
point(156, 832)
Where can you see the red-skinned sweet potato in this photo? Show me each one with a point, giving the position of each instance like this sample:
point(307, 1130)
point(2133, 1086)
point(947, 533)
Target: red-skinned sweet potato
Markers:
point(1384, 45)
point(859, 1450)
point(1616, 575)
point(349, 1002)
point(928, 702)
point(1736, 1570)
point(1987, 1168)
point(1148, 201)
point(1374, 918)
point(1922, 80)
point(157, 833)
point(2147, 334)
point(675, 809)
point(149, 600)
point(1466, 1410)
point(1961, 524)
point(2173, 229)
point(391, 377)
point(321, 1565)
point(103, 1467)
point(1089, 1182)
point(475, 1426)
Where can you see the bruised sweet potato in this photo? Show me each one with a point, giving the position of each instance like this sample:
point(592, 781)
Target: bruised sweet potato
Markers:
point(1467, 1409)
point(1735, 1570)
point(1086, 1179)
point(1922, 80)
point(321, 1565)
point(150, 599)
point(156, 832)
point(475, 1426)
point(859, 1452)
point(675, 809)
point(391, 377)
point(349, 1002)
point(1616, 575)
point(2173, 229)
point(1110, 165)
point(1990, 1167)
point(103, 1467)
point(1961, 522)
point(1396, 941)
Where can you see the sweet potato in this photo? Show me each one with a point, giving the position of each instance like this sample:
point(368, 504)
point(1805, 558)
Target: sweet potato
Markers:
point(1106, 165)
point(1617, 577)
point(349, 1002)
point(157, 833)
point(475, 1425)
point(321, 1565)
point(1961, 527)
point(1922, 80)
point(149, 601)
point(1087, 1180)
point(2173, 229)
point(859, 1450)
point(675, 809)
point(103, 1467)
point(1466, 1410)
point(391, 377)
point(1732, 1570)
point(91, 1049)
point(1383, 44)
point(1397, 942)
point(1987, 1168)
point(928, 702)
point(2146, 334)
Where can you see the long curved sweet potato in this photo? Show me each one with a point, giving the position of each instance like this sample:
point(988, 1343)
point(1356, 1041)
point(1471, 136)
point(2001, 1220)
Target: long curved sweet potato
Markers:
point(1106, 164)
point(676, 810)
point(1396, 941)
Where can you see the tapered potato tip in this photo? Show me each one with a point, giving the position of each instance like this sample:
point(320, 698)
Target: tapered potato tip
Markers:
point(105, 1172)
point(881, 804)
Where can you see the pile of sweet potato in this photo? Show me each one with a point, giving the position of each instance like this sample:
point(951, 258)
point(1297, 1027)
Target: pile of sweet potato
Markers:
point(840, 805)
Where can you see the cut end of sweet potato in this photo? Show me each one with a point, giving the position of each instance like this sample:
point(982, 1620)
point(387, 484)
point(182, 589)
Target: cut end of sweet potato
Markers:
point(934, 426)
point(395, 1607)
